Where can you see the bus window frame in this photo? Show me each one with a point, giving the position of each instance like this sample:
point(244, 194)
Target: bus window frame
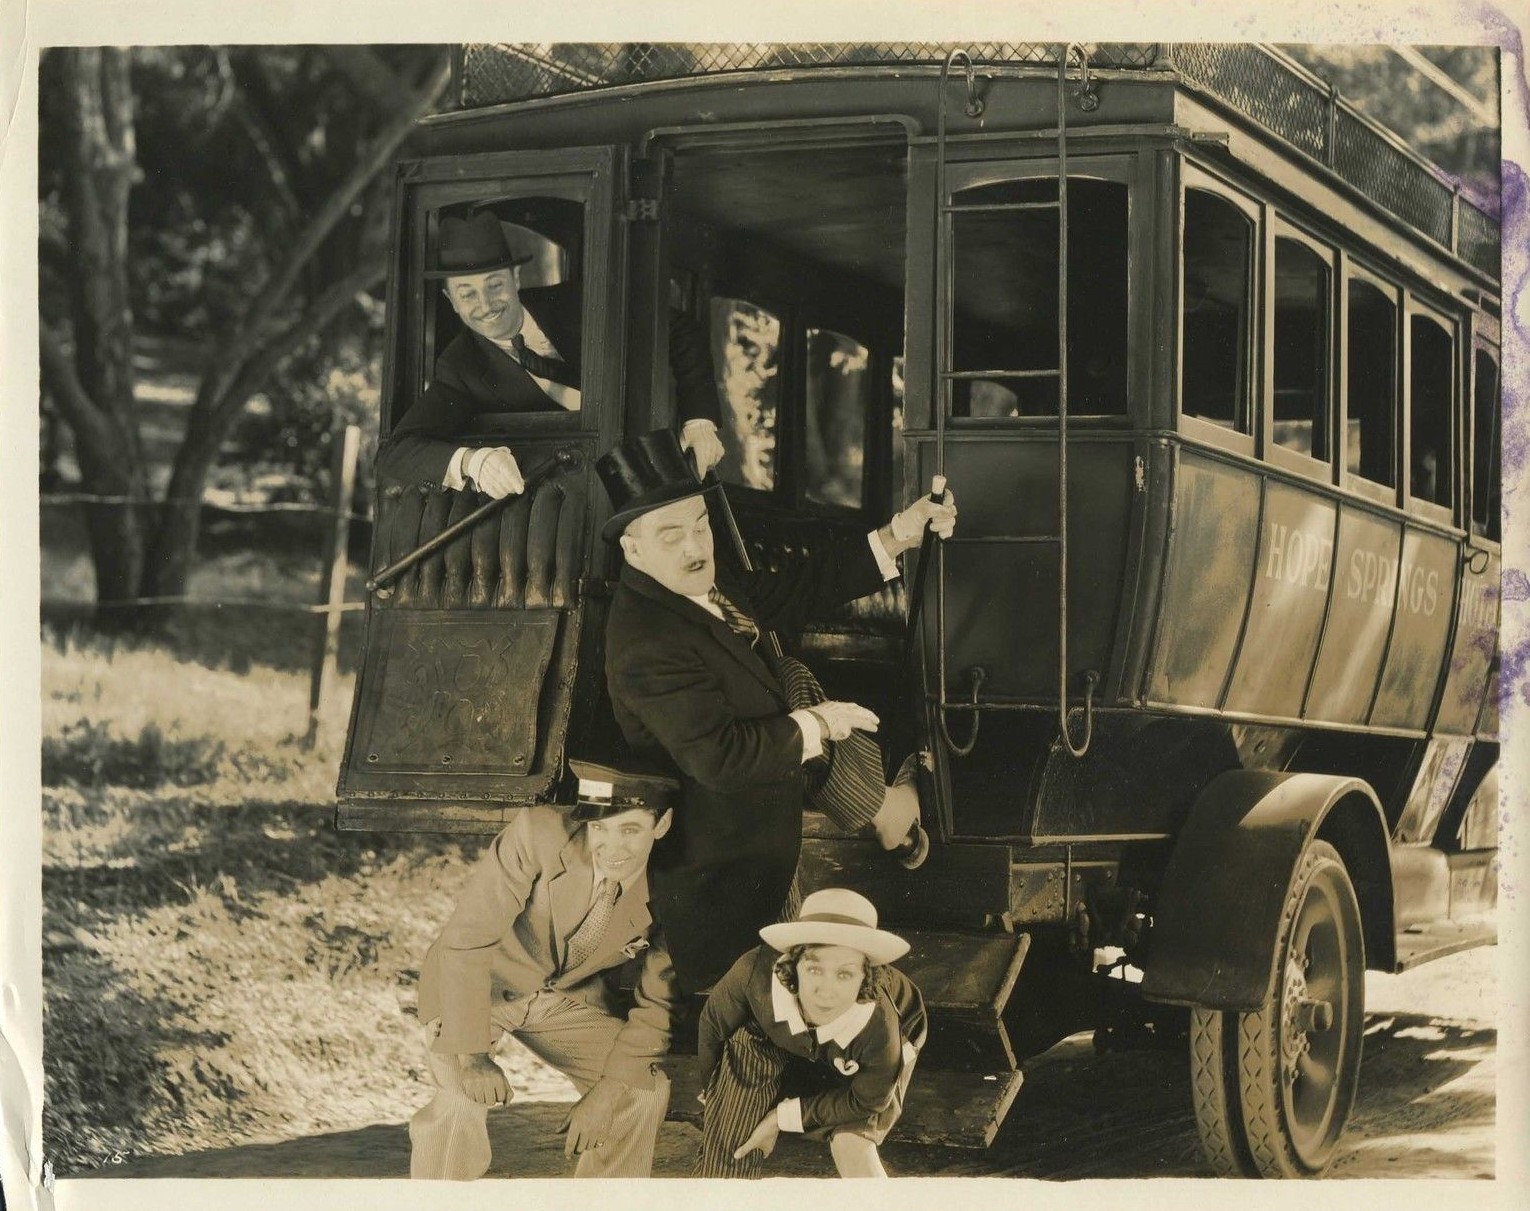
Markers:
point(1194, 176)
point(1125, 169)
point(586, 175)
point(1445, 515)
point(1486, 337)
point(1277, 227)
point(1352, 270)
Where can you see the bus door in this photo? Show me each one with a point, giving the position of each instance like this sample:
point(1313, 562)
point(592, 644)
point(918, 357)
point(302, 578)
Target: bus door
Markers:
point(788, 245)
point(468, 693)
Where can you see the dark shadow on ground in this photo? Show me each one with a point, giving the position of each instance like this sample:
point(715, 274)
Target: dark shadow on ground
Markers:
point(1079, 1115)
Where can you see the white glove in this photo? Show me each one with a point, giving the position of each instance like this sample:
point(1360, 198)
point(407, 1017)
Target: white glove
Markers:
point(839, 719)
point(700, 437)
point(495, 472)
point(908, 526)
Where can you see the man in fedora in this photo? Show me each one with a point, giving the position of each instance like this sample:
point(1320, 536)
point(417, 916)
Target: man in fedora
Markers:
point(518, 352)
point(550, 912)
point(691, 682)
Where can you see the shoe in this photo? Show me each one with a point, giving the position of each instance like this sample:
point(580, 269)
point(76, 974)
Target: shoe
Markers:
point(913, 849)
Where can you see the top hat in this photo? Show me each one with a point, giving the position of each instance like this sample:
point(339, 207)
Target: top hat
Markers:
point(642, 474)
point(605, 790)
point(836, 916)
point(472, 245)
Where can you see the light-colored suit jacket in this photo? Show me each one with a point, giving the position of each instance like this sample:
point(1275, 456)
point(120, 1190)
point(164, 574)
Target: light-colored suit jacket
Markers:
point(509, 934)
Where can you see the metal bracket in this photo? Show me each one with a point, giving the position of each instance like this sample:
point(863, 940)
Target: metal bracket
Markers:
point(641, 210)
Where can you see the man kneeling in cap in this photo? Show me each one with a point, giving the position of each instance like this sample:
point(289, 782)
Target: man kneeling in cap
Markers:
point(816, 1013)
point(551, 910)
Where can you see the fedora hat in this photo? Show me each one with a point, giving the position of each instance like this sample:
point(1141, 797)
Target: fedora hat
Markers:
point(643, 474)
point(608, 790)
point(836, 916)
point(475, 244)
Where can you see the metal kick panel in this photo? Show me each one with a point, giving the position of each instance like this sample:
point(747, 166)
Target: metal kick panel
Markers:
point(454, 691)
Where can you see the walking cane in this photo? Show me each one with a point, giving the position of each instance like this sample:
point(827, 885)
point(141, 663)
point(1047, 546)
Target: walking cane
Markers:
point(711, 484)
point(916, 590)
point(565, 459)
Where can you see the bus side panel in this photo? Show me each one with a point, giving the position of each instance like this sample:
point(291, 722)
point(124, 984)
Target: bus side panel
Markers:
point(1290, 598)
point(1425, 593)
point(1001, 595)
point(1213, 538)
point(1359, 619)
point(1471, 651)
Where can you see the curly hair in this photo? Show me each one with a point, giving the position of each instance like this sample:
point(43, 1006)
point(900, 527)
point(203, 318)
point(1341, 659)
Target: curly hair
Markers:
point(786, 972)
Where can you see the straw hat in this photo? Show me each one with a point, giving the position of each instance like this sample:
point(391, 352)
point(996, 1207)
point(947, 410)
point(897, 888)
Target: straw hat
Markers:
point(836, 916)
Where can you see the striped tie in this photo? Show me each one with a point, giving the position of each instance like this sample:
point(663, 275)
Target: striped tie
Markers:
point(583, 942)
point(738, 622)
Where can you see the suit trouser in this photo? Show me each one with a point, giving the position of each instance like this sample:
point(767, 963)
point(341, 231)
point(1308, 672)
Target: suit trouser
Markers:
point(449, 1136)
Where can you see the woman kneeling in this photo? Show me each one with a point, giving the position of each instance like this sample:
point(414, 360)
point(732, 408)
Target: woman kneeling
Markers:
point(812, 1032)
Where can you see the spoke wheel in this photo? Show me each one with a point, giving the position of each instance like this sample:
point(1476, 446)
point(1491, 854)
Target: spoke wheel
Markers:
point(1274, 1088)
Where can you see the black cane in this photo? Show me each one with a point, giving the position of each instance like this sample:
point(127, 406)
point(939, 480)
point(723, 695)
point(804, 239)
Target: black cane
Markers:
point(916, 590)
point(565, 459)
point(714, 486)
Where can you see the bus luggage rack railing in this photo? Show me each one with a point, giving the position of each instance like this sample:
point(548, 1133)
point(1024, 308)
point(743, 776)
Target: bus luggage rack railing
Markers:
point(1258, 81)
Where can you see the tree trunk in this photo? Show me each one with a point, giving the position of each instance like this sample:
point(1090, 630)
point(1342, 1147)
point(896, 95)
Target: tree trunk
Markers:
point(94, 387)
point(247, 356)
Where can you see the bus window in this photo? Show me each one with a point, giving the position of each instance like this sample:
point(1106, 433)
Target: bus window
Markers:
point(746, 348)
point(1301, 349)
point(1219, 242)
point(542, 236)
point(1371, 442)
point(1487, 446)
point(1005, 305)
point(1430, 396)
point(837, 399)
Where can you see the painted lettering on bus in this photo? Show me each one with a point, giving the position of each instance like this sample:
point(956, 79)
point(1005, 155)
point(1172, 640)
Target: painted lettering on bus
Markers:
point(1298, 557)
point(1378, 578)
point(1479, 603)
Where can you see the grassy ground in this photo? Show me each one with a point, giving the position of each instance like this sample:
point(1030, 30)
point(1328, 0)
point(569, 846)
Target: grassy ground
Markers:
point(221, 966)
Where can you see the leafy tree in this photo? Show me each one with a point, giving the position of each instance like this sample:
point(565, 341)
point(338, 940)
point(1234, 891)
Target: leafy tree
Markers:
point(235, 197)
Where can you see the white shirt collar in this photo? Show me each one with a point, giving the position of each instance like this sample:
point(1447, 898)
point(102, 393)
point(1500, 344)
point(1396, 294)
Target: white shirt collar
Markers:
point(707, 604)
point(841, 1030)
point(531, 333)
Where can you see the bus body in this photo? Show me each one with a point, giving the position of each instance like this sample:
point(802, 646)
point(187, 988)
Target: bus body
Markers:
point(1208, 674)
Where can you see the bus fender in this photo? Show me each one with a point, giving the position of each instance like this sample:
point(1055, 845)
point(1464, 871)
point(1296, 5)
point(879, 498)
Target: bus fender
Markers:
point(1218, 908)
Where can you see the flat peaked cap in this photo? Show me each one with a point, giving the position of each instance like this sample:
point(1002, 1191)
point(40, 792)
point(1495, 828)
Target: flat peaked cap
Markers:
point(642, 474)
point(606, 790)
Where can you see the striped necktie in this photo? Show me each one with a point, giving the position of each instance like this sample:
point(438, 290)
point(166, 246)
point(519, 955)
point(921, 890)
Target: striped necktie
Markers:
point(582, 943)
point(738, 622)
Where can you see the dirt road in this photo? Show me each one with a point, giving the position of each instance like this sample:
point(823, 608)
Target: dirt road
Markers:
point(1426, 1109)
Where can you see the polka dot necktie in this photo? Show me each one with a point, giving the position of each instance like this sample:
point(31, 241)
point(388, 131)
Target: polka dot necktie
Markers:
point(583, 942)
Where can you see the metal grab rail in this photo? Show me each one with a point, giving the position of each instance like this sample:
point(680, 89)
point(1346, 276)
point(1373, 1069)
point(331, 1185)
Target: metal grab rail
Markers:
point(1085, 92)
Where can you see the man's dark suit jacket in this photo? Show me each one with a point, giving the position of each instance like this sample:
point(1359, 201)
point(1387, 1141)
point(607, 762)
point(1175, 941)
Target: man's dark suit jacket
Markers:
point(688, 690)
point(474, 375)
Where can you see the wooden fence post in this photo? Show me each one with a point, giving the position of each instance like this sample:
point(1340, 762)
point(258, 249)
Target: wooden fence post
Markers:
point(326, 663)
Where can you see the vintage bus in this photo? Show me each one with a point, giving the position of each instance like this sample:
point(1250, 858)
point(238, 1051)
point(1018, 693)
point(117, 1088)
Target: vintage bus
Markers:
point(1207, 677)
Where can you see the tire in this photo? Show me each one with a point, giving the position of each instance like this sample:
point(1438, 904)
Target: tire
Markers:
point(1273, 1088)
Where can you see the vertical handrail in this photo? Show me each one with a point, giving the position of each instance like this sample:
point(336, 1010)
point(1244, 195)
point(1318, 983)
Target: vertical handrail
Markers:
point(1077, 750)
point(942, 317)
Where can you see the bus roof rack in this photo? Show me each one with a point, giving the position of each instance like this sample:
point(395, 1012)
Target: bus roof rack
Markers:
point(1258, 81)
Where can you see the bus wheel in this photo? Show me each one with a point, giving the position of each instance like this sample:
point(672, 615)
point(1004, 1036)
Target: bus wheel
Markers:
point(1273, 1088)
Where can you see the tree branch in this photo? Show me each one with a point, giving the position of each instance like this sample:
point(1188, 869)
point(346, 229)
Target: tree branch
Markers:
point(373, 80)
point(247, 340)
point(314, 320)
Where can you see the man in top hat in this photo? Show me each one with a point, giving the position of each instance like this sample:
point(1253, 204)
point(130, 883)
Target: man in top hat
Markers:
point(550, 912)
point(518, 352)
point(690, 681)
